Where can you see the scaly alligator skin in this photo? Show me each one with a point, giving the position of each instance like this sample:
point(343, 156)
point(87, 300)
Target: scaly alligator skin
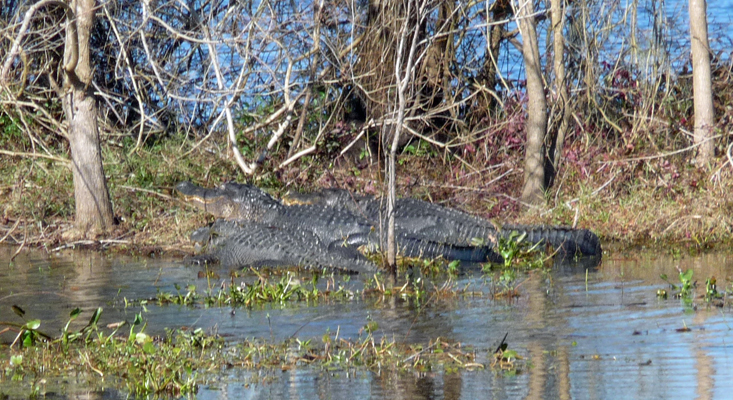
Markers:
point(235, 246)
point(230, 201)
point(414, 216)
point(452, 226)
point(564, 239)
point(334, 227)
point(241, 202)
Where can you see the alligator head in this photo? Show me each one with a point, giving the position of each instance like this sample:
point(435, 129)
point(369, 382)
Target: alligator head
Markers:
point(230, 201)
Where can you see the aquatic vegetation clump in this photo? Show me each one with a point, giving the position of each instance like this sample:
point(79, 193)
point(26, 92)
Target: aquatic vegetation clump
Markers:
point(143, 364)
point(178, 362)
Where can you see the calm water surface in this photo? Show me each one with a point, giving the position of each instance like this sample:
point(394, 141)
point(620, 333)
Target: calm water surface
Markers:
point(599, 335)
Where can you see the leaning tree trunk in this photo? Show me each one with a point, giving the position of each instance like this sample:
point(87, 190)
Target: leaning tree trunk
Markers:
point(93, 208)
point(534, 172)
point(702, 82)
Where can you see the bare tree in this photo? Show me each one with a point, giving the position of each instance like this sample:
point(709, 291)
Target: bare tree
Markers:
point(702, 82)
point(406, 53)
point(93, 207)
point(534, 172)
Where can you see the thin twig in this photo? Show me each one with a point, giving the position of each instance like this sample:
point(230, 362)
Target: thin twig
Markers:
point(296, 156)
point(608, 182)
point(89, 243)
point(34, 155)
point(15, 49)
point(421, 352)
point(680, 219)
point(715, 176)
point(136, 189)
point(15, 225)
point(469, 188)
point(663, 155)
point(22, 244)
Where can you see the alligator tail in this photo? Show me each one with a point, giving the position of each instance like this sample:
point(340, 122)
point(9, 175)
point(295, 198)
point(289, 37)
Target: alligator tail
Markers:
point(567, 240)
point(413, 247)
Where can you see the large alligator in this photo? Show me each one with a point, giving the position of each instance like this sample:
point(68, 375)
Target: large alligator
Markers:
point(258, 245)
point(328, 229)
point(449, 225)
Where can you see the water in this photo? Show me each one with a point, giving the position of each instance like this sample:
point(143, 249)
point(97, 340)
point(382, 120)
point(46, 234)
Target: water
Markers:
point(604, 335)
point(612, 26)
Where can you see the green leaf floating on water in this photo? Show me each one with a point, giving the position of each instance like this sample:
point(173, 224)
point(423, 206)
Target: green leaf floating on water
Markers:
point(16, 360)
point(33, 324)
point(142, 338)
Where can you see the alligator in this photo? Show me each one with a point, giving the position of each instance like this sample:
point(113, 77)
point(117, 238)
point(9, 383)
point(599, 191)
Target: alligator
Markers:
point(332, 227)
point(259, 245)
point(449, 225)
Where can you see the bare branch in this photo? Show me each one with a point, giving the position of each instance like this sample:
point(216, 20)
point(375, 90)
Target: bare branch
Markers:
point(15, 49)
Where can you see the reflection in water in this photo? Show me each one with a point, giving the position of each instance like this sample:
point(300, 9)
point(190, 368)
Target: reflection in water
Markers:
point(600, 335)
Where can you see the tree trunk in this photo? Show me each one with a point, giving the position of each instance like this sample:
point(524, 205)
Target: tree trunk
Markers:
point(534, 173)
point(561, 90)
point(93, 208)
point(702, 82)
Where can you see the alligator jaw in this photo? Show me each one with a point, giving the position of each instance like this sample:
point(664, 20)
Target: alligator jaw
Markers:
point(213, 201)
point(230, 201)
